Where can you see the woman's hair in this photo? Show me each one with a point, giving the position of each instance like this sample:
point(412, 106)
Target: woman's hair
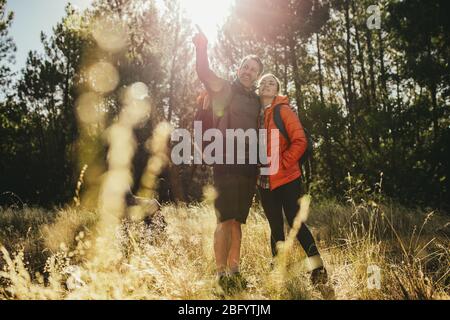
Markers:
point(276, 79)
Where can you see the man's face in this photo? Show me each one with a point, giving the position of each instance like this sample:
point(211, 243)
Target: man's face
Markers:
point(248, 73)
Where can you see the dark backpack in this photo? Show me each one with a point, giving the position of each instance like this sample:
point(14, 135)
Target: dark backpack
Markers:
point(307, 155)
point(205, 112)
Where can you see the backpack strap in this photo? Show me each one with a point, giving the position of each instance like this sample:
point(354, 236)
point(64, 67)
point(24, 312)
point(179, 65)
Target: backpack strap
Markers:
point(226, 109)
point(279, 121)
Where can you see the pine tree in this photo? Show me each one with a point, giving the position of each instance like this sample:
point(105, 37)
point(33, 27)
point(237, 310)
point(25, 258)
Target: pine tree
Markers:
point(47, 91)
point(7, 48)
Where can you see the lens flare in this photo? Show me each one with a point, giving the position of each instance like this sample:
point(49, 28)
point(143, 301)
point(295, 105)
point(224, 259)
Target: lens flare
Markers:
point(209, 194)
point(89, 108)
point(110, 34)
point(103, 77)
point(158, 145)
point(136, 104)
point(124, 145)
point(138, 91)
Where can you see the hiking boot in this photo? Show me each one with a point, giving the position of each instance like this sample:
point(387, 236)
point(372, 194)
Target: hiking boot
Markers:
point(319, 276)
point(237, 283)
point(224, 285)
point(221, 286)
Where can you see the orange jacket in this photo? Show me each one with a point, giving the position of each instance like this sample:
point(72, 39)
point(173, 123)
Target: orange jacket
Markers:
point(288, 153)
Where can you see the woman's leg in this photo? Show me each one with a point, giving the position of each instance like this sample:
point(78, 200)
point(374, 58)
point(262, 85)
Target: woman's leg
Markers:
point(273, 211)
point(290, 195)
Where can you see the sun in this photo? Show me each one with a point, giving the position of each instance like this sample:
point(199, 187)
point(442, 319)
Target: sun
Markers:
point(208, 14)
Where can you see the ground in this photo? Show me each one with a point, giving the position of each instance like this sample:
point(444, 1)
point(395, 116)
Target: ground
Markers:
point(62, 254)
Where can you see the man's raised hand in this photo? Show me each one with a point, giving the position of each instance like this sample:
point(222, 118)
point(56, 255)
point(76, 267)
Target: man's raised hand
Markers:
point(199, 38)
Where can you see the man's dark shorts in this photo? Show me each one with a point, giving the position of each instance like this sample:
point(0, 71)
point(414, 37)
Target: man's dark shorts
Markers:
point(235, 196)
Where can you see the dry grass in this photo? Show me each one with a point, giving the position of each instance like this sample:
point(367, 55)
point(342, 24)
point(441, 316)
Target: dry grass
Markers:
point(50, 255)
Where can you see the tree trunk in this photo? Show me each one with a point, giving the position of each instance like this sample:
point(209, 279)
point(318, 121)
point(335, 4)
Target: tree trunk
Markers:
point(361, 58)
point(319, 59)
point(343, 85)
point(296, 76)
point(371, 65)
point(382, 69)
point(433, 91)
point(172, 69)
point(176, 186)
point(349, 65)
point(397, 82)
point(329, 160)
point(276, 59)
point(285, 73)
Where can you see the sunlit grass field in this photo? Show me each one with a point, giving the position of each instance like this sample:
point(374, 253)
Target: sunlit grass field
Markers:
point(59, 254)
point(98, 251)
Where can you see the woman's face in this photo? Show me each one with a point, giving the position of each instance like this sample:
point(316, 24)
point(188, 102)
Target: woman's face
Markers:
point(268, 87)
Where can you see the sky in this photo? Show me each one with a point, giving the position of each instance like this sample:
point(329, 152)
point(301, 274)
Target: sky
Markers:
point(33, 16)
point(30, 18)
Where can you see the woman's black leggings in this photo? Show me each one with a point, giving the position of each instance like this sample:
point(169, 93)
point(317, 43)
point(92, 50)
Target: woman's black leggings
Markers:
point(285, 198)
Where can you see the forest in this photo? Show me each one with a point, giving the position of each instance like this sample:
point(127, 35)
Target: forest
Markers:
point(371, 85)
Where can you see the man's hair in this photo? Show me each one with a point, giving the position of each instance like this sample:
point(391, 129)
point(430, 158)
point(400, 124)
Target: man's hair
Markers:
point(255, 58)
point(276, 79)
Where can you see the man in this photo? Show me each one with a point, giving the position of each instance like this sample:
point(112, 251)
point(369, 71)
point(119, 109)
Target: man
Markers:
point(235, 106)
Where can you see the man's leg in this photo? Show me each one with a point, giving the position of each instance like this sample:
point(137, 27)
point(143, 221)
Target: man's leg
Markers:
point(235, 246)
point(237, 281)
point(245, 187)
point(222, 242)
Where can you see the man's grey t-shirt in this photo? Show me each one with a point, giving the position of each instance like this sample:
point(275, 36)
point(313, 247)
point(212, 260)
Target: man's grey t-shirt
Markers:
point(236, 108)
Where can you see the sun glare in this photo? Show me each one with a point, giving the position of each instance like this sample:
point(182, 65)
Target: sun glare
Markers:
point(208, 14)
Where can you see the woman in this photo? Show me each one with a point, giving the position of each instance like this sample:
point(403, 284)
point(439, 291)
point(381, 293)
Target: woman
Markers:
point(281, 190)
